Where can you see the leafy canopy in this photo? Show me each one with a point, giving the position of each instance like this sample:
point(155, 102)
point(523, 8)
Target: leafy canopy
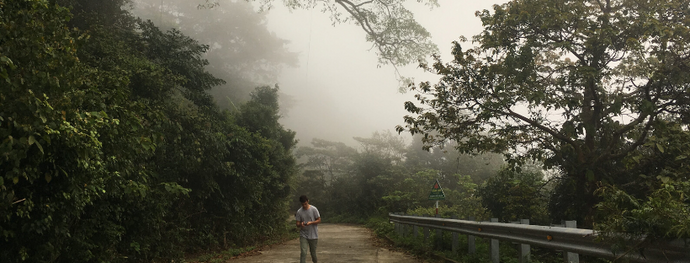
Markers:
point(242, 49)
point(578, 84)
point(112, 150)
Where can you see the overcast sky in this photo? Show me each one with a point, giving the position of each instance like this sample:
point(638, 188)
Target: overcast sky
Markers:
point(338, 90)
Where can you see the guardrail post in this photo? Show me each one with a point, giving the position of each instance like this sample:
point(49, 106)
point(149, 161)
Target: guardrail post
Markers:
point(402, 227)
point(495, 258)
point(406, 230)
point(415, 230)
point(396, 225)
point(426, 231)
point(569, 256)
point(439, 235)
point(470, 240)
point(456, 242)
point(524, 248)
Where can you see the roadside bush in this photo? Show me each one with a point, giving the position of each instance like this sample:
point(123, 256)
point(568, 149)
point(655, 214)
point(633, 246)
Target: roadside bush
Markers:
point(513, 195)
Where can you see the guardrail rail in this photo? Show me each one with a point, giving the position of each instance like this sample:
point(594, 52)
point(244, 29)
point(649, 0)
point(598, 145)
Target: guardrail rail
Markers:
point(573, 240)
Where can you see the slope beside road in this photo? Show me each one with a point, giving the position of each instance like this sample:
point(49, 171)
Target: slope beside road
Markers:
point(337, 243)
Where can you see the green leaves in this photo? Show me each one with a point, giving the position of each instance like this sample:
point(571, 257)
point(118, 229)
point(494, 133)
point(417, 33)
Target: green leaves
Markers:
point(399, 39)
point(570, 83)
point(176, 189)
point(33, 141)
point(661, 215)
point(512, 195)
point(7, 65)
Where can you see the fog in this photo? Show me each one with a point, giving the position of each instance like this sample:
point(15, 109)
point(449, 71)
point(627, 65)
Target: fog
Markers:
point(332, 85)
point(338, 89)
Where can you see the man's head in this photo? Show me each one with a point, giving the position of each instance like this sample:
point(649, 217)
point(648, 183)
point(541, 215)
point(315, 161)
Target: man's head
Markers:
point(305, 202)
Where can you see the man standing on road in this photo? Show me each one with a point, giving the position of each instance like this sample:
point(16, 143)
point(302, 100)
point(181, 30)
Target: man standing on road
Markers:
point(307, 218)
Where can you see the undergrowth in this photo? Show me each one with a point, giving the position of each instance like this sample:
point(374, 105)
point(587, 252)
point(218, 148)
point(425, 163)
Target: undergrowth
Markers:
point(288, 233)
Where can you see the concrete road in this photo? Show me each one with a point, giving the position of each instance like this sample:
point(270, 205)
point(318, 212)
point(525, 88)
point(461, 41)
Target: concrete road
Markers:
point(337, 243)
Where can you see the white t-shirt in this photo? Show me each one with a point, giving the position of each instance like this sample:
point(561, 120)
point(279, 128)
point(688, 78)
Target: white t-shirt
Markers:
point(309, 215)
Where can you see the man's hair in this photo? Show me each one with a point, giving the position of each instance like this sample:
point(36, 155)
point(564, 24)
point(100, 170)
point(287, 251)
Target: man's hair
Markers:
point(303, 199)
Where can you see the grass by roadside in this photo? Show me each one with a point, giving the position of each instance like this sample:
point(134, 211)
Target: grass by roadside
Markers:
point(384, 231)
point(290, 233)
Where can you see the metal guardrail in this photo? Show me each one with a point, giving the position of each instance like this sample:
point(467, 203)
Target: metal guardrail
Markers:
point(581, 241)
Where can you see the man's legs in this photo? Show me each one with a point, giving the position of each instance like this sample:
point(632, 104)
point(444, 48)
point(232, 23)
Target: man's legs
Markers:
point(303, 245)
point(312, 248)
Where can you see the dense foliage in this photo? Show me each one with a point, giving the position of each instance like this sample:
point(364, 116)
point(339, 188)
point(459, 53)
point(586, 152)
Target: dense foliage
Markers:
point(385, 174)
point(655, 203)
point(112, 149)
point(242, 47)
point(513, 195)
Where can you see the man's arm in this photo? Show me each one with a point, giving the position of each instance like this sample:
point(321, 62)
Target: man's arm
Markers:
point(318, 220)
point(298, 221)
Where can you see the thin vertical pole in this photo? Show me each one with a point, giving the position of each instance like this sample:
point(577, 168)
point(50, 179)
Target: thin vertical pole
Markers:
point(415, 230)
point(572, 257)
point(426, 232)
point(439, 235)
point(403, 227)
point(524, 248)
point(470, 240)
point(456, 242)
point(494, 247)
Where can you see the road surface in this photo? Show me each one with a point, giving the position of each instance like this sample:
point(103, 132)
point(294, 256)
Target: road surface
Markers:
point(337, 243)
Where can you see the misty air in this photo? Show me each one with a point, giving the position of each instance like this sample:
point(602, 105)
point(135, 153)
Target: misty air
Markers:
point(344, 131)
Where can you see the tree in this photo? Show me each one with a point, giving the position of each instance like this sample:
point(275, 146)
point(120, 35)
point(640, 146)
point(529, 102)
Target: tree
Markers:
point(74, 144)
point(361, 193)
point(577, 84)
point(385, 145)
point(312, 184)
point(397, 37)
point(662, 214)
point(512, 196)
point(243, 51)
point(105, 134)
point(331, 159)
point(409, 193)
point(656, 204)
point(449, 160)
point(112, 14)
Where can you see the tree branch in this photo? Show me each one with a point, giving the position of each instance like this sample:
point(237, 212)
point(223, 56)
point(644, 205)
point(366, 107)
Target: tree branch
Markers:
point(548, 130)
point(640, 140)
